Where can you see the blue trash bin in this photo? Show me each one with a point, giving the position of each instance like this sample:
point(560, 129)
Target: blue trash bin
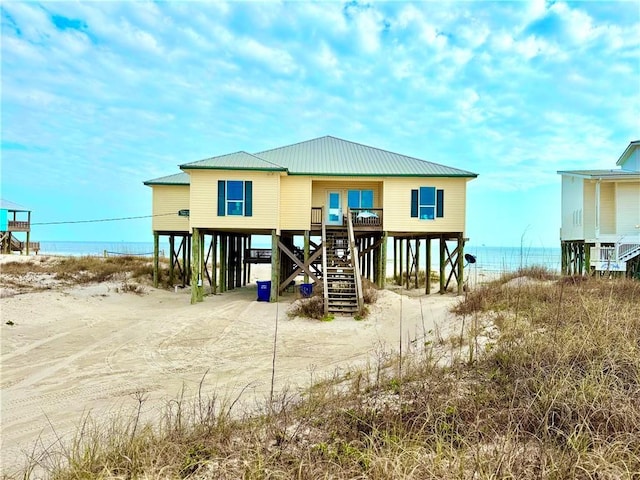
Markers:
point(306, 289)
point(264, 291)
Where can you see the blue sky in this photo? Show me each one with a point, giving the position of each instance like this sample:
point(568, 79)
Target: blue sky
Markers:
point(99, 96)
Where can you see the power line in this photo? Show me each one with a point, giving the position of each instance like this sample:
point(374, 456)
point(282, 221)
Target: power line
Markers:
point(102, 219)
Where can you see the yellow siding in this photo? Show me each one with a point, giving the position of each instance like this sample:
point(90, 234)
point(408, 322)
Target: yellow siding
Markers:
point(572, 208)
point(204, 200)
point(321, 187)
point(607, 208)
point(397, 205)
point(589, 218)
point(628, 208)
point(170, 199)
point(295, 203)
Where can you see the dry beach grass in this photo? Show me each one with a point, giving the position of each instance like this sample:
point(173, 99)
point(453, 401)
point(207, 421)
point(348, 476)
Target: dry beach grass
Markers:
point(536, 377)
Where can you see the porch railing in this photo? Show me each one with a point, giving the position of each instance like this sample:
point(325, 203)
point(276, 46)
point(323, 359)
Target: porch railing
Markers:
point(18, 226)
point(614, 257)
point(355, 261)
point(316, 216)
point(366, 217)
point(325, 283)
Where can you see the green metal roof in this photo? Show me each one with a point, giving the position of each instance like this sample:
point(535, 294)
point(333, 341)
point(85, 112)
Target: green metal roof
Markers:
point(234, 161)
point(324, 156)
point(334, 156)
point(177, 179)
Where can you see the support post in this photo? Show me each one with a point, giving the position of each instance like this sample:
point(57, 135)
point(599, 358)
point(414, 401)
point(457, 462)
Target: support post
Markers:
point(395, 259)
point(28, 230)
point(306, 253)
point(460, 263)
point(400, 261)
point(275, 266)
point(382, 260)
point(156, 242)
point(196, 268)
point(214, 263)
point(427, 266)
point(587, 259)
point(417, 262)
point(408, 247)
point(443, 263)
point(171, 248)
point(223, 263)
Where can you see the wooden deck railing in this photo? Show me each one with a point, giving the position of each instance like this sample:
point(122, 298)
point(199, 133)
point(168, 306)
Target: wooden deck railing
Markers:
point(18, 226)
point(366, 217)
point(361, 218)
point(355, 261)
point(316, 216)
point(257, 255)
point(325, 283)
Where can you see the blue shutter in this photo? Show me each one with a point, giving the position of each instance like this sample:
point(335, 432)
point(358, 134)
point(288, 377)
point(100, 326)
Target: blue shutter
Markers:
point(248, 194)
point(414, 203)
point(440, 203)
point(221, 198)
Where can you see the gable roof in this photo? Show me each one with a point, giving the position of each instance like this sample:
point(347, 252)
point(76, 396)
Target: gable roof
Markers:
point(234, 161)
point(7, 205)
point(176, 179)
point(328, 156)
point(627, 152)
point(334, 156)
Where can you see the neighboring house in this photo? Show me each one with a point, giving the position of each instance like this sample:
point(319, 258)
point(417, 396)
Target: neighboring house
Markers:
point(601, 217)
point(341, 199)
point(14, 219)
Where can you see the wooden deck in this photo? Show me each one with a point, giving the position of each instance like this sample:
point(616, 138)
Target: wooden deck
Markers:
point(18, 226)
point(362, 219)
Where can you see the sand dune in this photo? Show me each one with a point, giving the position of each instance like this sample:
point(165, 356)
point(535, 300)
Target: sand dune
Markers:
point(90, 349)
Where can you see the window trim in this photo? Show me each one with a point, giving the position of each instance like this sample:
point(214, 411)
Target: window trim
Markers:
point(360, 192)
point(224, 201)
point(418, 203)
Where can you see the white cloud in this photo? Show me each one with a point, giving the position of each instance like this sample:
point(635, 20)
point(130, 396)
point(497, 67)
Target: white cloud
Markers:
point(276, 59)
point(369, 26)
point(480, 86)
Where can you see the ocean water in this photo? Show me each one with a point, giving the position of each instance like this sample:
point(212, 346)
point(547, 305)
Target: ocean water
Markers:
point(488, 258)
point(100, 248)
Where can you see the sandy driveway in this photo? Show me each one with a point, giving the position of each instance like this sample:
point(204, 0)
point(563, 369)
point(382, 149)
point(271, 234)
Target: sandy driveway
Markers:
point(91, 348)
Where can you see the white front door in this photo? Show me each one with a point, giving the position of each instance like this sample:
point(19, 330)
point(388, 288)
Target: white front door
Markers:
point(334, 212)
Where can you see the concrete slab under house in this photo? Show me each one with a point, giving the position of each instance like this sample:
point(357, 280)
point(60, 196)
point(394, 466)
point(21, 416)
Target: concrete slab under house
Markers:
point(329, 206)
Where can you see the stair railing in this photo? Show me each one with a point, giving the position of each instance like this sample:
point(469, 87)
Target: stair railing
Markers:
point(325, 283)
point(355, 262)
point(627, 247)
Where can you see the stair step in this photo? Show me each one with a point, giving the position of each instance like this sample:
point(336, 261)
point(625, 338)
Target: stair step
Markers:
point(343, 305)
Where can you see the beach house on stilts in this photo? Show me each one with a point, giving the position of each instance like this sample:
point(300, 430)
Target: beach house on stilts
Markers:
point(601, 218)
point(330, 207)
point(16, 219)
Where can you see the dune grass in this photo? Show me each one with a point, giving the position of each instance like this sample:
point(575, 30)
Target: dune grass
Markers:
point(543, 382)
point(82, 270)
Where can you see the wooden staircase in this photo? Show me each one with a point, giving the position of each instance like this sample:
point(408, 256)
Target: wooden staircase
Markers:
point(340, 275)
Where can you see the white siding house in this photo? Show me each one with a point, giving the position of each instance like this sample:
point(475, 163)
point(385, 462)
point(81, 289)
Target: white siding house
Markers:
point(601, 217)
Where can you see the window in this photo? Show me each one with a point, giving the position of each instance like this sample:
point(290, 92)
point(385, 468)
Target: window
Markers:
point(427, 203)
point(360, 198)
point(235, 198)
